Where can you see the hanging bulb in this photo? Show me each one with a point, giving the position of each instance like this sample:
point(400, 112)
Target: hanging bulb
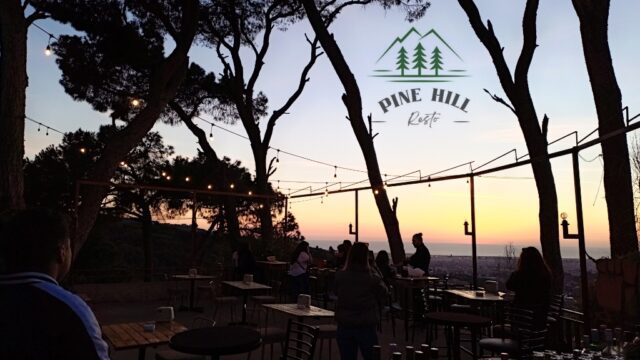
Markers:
point(250, 193)
point(429, 184)
point(376, 192)
point(47, 132)
point(278, 156)
point(164, 173)
point(232, 186)
point(47, 50)
point(168, 177)
point(187, 179)
point(335, 171)
point(38, 127)
point(83, 150)
point(211, 131)
point(321, 200)
point(209, 187)
point(135, 102)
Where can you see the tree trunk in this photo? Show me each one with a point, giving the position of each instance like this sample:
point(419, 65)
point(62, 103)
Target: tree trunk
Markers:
point(13, 85)
point(262, 182)
point(353, 103)
point(147, 243)
point(594, 17)
point(164, 83)
point(517, 90)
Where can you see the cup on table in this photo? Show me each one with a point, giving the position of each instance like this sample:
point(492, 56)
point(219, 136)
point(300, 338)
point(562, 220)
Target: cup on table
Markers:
point(193, 272)
point(304, 301)
point(149, 327)
point(247, 278)
point(165, 314)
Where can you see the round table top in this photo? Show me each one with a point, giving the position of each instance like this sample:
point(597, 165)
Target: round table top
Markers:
point(217, 340)
point(457, 318)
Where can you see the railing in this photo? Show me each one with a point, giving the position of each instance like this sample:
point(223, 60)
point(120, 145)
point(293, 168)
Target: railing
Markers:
point(570, 326)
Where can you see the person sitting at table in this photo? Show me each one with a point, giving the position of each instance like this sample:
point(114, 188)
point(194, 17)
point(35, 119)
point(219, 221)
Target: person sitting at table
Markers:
point(244, 261)
point(299, 270)
point(38, 318)
point(343, 252)
point(419, 262)
point(359, 292)
point(531, 283)
point(383, 264)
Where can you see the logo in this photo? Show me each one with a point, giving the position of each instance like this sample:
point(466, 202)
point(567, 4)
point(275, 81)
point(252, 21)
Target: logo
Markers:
point(417, 58)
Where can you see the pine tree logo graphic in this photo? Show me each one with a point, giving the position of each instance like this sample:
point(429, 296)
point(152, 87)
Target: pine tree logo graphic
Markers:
point(429, 59)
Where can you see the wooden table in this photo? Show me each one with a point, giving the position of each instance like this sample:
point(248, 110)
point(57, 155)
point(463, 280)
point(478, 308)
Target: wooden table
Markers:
point(217, 341)
point(245, 288)
point(408, 283)
point(192, 287)
point(300, 314)
point(132, 335)
point(471, 295)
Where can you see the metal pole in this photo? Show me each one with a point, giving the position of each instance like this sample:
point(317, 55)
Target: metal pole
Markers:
point(357, 229)
point(474, 252)
point(194, 227)
point(581, 245)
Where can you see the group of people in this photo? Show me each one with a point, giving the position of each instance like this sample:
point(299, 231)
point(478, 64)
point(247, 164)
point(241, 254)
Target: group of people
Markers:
point(38, 253)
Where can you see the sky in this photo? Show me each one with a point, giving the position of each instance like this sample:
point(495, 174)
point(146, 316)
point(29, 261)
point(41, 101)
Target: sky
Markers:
point(315, 126)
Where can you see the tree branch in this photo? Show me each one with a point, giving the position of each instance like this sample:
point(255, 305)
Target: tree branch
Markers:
point(197, 131)
point(529, 43)
point(489, 40)
point(500, 100)
point(296, 94)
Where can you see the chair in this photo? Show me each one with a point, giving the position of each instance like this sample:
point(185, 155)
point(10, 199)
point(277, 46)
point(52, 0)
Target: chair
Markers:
point(326, 332)
point(177, 293)
point(170, 354)
point(219, 301)
point(300, 343)
point(524, 337)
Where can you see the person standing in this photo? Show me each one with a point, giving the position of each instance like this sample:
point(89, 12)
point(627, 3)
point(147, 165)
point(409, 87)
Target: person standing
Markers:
point(38, 318)
point(419, 261)
point(359, 291)
point(299, 270)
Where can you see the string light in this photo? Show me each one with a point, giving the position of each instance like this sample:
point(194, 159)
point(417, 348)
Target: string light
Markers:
point(209, 187)
point(187, 179)
point(168, 177)
point(135, 102)
point(232, 186)
point(250, 193)
point(122, 163)
point(47, 50)
point(335, 171)
point(164, 174)
point(278, 156)
point(83, 150)
point(376, 192)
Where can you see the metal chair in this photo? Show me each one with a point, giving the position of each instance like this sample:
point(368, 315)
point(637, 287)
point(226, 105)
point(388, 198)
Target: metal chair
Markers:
point(300, 343)
point(524, 336)
point(218, 301)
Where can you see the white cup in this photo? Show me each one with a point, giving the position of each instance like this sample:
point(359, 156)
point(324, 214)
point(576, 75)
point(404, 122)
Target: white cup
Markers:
point(247, 278)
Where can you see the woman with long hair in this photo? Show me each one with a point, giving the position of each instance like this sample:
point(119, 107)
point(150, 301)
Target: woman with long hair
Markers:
point(359, 290)
point(384, 265)
point(531, 283)
point(299, 270)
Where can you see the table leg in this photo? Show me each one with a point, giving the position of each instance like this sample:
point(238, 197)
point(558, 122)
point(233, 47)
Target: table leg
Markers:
point(456, 342)
point(141, 353)
point(192, 293)
point(407, 293)
point(245, 299)
point(474, 348)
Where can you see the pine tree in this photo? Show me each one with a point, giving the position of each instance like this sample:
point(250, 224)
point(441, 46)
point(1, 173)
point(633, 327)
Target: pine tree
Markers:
point(419, 60)
point(436, 60)
point(403, 61)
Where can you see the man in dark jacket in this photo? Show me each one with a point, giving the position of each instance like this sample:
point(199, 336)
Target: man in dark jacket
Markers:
point(422, 257)
point(38, 318)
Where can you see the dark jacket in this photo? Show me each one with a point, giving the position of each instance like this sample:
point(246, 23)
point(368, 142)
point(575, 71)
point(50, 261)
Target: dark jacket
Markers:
point(359, 293)
point(421, 258)
point(41, 320)
point(532, 291)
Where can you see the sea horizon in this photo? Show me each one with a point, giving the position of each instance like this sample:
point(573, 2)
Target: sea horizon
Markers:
point(464, 249)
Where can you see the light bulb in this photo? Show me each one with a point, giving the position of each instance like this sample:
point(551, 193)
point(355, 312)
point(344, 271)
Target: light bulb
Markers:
point(564, 216)
point(83, 150)
point(47, 51)
point(135, 102)
point(232, 186)
point(187, 179)
point(209, 187)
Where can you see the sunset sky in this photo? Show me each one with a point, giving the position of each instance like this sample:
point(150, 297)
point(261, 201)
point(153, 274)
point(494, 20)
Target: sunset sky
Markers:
point(506, 202)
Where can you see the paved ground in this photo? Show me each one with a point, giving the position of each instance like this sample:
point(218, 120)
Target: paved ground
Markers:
point(109, 313)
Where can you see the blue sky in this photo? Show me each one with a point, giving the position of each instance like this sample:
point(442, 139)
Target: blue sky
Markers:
point(316, 126)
